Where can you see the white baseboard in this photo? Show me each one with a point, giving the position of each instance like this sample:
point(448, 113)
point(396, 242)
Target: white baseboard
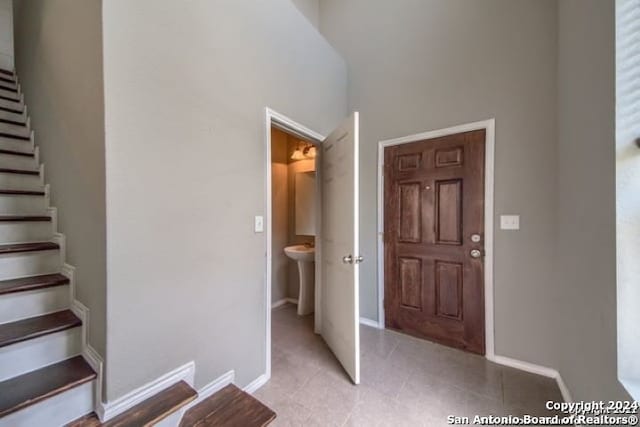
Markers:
point(535, 369)
point(254, 385)
point(212, 388)
point(279, 303)
point(284, 301)
point(371, 323)
point(108, 410)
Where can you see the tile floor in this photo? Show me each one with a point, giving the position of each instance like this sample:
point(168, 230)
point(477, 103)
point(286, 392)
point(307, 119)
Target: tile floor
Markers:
point(404, 381)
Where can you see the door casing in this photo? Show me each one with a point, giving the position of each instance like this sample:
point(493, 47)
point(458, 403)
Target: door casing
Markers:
point(284, 123)
point(489, 127)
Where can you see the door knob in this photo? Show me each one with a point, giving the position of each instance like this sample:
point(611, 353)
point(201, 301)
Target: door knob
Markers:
point(347, 259)
point(476, 253)
point(358, 259)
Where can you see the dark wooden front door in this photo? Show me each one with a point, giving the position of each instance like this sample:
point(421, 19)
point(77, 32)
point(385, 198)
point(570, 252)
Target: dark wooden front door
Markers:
point(433, 223)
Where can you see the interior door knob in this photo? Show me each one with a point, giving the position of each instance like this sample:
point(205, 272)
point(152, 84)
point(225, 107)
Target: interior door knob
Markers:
point(347, 259)
point(476, 253)
point(359, 259)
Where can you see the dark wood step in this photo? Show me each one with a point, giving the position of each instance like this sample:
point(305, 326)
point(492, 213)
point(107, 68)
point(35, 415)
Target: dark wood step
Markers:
point(20, 137)
point(32, 283)
point(19, 171)
point(11, 110)
point(7, 87)
point(14, 248)
point(34, 327)
point(8, 192)
point(11, 98)
point(8, 79)
point(5, 71)
point(13, 122)
point(28, 389)
point(229, 407)
point(24, 218)
point(147, 413)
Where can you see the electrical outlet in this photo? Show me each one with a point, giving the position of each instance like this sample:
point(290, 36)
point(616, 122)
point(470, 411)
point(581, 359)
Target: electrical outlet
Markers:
point(510, 222)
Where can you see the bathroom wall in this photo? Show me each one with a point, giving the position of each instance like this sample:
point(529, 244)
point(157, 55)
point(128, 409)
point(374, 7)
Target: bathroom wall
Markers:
point(295, 166)
point(279, 215)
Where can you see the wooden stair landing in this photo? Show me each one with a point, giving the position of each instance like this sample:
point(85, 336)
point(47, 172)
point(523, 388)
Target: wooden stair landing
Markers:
point(149, 412)
point(33, 387)
point(230, 407)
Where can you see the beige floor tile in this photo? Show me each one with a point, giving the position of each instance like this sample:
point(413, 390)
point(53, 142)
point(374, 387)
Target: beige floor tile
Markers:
point(405, 381)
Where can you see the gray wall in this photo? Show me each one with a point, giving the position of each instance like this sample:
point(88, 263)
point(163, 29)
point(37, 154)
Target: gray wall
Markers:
point(6, 35)
point(59, 63)
point(418, 65)
point(628, 189)
point(586, 304)
point(310, 9)
point(186, 85)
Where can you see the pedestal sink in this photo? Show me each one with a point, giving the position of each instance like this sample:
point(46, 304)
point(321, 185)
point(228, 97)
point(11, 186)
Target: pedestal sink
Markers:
point(305, 257)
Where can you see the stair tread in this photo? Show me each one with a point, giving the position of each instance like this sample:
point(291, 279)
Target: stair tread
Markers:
point(22, 192)
point(24, 218)
point(148, 412)
point(33, 327)
point(13, 152)
point(229, 407)
point(33, 387)
point(19, 171)
point(27, 247)
point(32, 283)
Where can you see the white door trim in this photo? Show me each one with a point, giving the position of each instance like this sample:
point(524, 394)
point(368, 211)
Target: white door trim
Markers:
point(489, 126)
point(280, 121)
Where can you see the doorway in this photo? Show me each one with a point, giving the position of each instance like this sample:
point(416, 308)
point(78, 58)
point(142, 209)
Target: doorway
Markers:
point(436, 236)
point(337, 257)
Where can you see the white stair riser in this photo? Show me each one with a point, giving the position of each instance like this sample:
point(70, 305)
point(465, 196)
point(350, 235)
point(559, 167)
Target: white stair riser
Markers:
point(14, 181)
point(22, 305)
point(22, 205)
point(29, 264)
point(9, 94)
point(14, 117)
point(16, 145)
point(12, 129)
point(15, 106)
point(18, 162)
point(25, 232)
point(56, 411)
point(27, 356)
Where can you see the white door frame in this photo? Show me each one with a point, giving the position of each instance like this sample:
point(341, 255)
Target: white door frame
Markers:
point(282, 122)
point(489, 127)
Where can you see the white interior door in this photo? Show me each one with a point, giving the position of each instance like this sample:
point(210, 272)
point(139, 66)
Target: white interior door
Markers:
point(339, 245)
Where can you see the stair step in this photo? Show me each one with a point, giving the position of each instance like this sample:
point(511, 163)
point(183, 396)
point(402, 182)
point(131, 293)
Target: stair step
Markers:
point(13, 152)
point(33, 387)
point(22, 192)
point(148, 412)
point(19, 171)
point(229, 407)
point(9, 95)
point(24, 218)
point(32, 283)
point(27, 247)
point(5, 71)
point(4, 85)
point(7, 79)
point(33, 327)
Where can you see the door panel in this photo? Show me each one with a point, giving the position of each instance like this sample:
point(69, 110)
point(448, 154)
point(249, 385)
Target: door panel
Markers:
point(434, 203)
point(340, 237)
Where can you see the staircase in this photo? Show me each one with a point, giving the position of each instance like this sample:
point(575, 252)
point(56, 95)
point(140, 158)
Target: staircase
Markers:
point(44, 380)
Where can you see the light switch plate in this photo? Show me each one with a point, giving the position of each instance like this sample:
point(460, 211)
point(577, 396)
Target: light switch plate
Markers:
point(510, 222)
point(258, 224)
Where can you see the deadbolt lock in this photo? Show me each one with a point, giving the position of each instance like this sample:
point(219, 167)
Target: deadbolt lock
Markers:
point(475, 238)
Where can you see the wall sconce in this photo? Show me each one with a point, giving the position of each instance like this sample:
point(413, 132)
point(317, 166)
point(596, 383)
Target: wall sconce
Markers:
point(307, 152)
